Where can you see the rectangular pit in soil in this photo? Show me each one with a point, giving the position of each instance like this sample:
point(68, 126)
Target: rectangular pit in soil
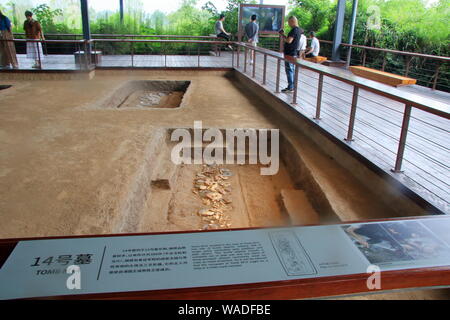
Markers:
point(224, 196)
point(5, 86)
point(147, 94)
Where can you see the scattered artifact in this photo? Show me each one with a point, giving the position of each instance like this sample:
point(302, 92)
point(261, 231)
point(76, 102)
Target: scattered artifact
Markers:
point(215, 193)
point(151, 98)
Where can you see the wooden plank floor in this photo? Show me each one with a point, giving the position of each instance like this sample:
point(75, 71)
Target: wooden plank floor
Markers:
point(67, 62)
point(377, 126)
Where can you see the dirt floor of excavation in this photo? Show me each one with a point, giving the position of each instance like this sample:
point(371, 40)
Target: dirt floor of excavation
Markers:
point(153, 99)
point(246, 199)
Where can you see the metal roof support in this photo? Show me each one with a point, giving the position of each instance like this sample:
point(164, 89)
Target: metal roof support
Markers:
point(338, 28)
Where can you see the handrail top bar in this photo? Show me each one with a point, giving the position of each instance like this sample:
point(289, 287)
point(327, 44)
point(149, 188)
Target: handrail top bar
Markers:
point(120, 35)
point(162, 41)
point(414, 100)
point(120, 40)
point(406, 53)
point(39, 40)
point(435, 107)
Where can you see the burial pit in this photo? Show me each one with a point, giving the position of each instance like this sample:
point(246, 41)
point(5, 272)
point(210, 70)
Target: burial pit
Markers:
point(221, 195)
point(147, 94)
point(93, 157)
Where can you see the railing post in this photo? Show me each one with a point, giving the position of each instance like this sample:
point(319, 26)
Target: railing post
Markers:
point(232, 58)
point(277, 85)
point(364, 58)
point(436, 75)
point(319, 97)
point(78, 58)
point(198, 56)
point(408, 64)
point(384, 62)
point(95, 55)
point(351, 124)
point(294, 98)
point(245, 59)
point(238, 51)
point(39, 54)
point(402, 141)
point(86, 55)
point(349, 57)
point(132, 54)
point(165, 56)
point(264, 69)
point(254, 63)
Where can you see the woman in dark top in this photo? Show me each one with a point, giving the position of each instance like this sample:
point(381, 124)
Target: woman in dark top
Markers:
point(8, 56)
point(291, 42)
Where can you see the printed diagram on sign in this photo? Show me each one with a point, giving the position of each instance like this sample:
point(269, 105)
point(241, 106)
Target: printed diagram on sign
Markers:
point(291, 254)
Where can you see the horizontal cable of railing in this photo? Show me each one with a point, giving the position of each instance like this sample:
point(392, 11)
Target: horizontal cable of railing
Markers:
point(434, 107)
point(409, 100)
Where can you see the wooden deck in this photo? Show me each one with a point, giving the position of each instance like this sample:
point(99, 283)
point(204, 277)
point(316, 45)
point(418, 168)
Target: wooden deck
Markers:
point(67, 62)
point(377, 125)
point(377, 128)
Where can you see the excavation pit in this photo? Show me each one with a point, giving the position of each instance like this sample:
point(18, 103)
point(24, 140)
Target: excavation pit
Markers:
point(199, 196)
point(147, 94)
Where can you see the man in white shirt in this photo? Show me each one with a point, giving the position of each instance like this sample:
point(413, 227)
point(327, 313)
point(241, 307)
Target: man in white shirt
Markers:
point(315, 46)
point(302, 44)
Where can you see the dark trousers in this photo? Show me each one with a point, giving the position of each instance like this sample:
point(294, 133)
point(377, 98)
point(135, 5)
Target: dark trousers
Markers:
point(223, 36)
point(290, 70)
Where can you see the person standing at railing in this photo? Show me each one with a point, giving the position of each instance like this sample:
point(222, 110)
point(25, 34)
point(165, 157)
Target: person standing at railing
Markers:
point(251, 31)
point(291, 43)
point(33, 31)
point(302, 44)
point(315, 46)
point(8, 55)
point(220, 31)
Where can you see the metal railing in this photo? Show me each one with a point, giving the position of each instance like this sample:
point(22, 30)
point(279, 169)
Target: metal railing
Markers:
point(128, 53)
point(197, 49)
point(410, 101)
point(429, 70)
point(201, 50)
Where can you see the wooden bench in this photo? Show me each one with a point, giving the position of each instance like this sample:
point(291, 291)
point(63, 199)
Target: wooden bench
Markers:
point(381, 76)
point(318, 59)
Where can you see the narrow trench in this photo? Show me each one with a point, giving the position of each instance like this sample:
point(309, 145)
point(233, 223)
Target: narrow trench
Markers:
point(169, 201)
point(5, 86)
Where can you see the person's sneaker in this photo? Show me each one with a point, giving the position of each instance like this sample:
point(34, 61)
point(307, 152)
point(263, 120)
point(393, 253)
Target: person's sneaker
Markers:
point(287, 90)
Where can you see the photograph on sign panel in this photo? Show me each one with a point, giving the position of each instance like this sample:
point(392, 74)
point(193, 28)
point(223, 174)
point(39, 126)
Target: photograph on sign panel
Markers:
point(440, 227)
point(269, 19)
point(376, 244)
point(416, 240)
